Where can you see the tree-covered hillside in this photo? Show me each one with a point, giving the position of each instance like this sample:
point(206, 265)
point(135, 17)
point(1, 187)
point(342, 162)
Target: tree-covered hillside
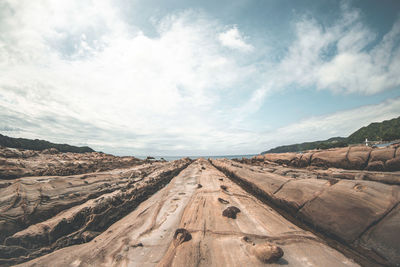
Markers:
point(40, 145)
point(378, 131)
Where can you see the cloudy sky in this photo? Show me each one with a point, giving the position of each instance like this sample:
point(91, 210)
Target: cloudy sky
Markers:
point(189, 77)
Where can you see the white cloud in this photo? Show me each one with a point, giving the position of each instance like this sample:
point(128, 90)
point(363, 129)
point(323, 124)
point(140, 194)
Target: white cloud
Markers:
point(70, 66)
point(340, 58)
point(345, 57)
point(76, 72)
point(234, 40)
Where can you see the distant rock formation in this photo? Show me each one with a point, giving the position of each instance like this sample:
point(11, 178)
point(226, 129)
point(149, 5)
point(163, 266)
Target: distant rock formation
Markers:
point(352, 158)
point(15, 163)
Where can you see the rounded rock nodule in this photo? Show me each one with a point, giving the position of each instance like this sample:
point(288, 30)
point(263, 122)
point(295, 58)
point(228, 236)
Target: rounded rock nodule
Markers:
point(267, 253)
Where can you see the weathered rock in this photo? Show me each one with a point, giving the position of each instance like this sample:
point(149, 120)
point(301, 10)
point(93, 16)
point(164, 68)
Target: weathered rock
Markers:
point(392, 164)
point(281, 158)
point(31, 200)
point(231, 212)
point(331, 158)
point(296, 193)
point(181, 235)
point(382, 154)
point(348, 208)
point(358, 157)
point(332, 205)
point(267, 253)
point(375, 166)
point(384, 237)
point(21, 163)
point(214, 240)
point(354, 157)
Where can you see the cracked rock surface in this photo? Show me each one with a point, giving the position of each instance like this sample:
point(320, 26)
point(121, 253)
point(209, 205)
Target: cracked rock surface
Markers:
point(244, 213)
point(182, 225)
point(353, 157)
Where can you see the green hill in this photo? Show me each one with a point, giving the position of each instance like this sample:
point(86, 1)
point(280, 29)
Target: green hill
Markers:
point(378, 131)
point(40, 145)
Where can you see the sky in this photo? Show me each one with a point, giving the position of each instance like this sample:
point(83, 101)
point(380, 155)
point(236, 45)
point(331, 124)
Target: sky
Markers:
point(188, 77)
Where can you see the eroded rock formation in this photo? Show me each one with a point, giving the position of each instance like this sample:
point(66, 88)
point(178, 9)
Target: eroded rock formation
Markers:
point(182, 225)
point(353, 157)
point(15, 163)
point(350, 211)
point(204, 213)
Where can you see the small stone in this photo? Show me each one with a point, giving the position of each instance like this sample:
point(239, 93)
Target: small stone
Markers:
point(231, 212)
point(181, 235)
point(267, 253)
point(223, 201)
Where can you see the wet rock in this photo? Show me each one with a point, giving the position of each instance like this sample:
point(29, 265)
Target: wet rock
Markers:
point(267, 253)
point(231, 212)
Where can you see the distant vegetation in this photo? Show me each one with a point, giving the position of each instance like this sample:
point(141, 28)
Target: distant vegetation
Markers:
point(378, 131)
point(40, 145)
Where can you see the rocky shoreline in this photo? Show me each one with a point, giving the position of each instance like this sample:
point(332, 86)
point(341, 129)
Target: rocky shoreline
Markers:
point(352, 157)
point(322, 208)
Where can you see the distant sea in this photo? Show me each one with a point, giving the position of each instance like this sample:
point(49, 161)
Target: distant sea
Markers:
point(170, 158)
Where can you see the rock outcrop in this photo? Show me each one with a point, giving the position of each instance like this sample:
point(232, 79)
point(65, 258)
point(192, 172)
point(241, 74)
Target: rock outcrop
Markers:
point(359, 214)
point(353, 157)
point(248, 212)
point(41, 214)
point(183, 225)
point(15, 163)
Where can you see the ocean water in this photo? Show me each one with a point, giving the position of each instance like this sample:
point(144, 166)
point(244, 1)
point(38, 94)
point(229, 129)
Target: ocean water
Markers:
point(170, 158)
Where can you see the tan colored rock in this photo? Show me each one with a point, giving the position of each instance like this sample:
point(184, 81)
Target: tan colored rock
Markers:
point(392, 164)
point(331, 158)
point(267, 252)
point(49, 162)
point(354, 157)
point(333, 206)
point(296, 193)
point(376, 165)
point(348, 208)
point(384, 237)
point(358, 157)
point(281, 158)
point(382, 154)
point(215, 240)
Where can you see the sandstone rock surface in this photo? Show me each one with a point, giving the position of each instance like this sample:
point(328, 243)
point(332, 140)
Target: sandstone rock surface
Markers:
point(163, 223)
point(15, 163)
point(358, 213)
point(355, 157)
point(249, 212)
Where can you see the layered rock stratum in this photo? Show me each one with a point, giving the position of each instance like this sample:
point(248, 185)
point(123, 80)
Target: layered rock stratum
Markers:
point(352, 157)
point(249, 212)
